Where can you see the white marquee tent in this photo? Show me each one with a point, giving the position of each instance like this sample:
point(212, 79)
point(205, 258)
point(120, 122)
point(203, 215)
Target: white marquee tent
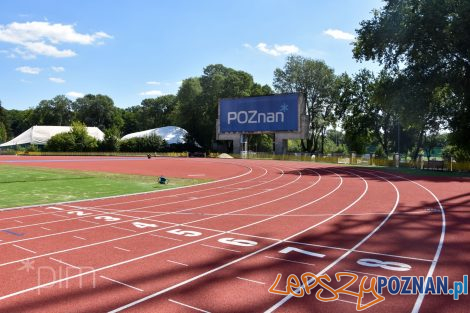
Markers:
point(171, 134)
point(39, 135)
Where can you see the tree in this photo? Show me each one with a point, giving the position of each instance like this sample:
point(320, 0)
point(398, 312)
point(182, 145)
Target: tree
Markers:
point(3, 133)
point(157, 112)
point(99, 111)
point(55, 112)
point(77, 140)
point(316, 81)
point(426, 41)
point(191, 111)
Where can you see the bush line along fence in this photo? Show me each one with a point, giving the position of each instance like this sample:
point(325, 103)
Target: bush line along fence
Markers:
point(366, 160)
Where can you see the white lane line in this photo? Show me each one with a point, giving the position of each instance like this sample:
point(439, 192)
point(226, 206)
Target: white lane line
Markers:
point(323, 246)
point(19, 222)
point(117, 227)
point(92, 222)
point(344, 255)
point(121, 283)
point(347, 301)
point(366, 273)
point(272, 257)
point(188, 306)
point(154, 235)
point(65, 263)
point(23, 248)
point(251, 280)
point(81, 238)
point(119, 248)
point(45, 228)
point(180, 246)
point(177, 262)
point(214, 247)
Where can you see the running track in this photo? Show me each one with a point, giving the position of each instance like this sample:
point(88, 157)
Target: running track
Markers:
point(217, 247)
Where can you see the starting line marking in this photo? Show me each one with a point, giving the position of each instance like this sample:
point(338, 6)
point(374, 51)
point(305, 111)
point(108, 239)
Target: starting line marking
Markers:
point(154, 235)
point(121, 283)
point(119, 248)
point(188, 306)
point(214, 247)
point(22, 248)
point(177, 263)
point(271, 257)
point(251, 280)
point(65, 263)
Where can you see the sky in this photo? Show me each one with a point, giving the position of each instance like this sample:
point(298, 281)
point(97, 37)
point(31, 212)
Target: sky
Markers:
point(135, 49)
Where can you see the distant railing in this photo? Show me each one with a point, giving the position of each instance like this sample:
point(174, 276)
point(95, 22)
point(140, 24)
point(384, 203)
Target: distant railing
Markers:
point(116, 154)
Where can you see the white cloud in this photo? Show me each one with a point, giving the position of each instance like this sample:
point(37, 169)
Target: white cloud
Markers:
point(277, 50)
point(42, 38)
point(58, 69)
point(248, 46)
point(74, 94)
point(29, 70)
point(151, 93)
point(339, 34)
point(56, 80)
point(153, 83)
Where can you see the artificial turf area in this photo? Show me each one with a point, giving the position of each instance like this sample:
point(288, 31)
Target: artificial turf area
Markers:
point(21, 186)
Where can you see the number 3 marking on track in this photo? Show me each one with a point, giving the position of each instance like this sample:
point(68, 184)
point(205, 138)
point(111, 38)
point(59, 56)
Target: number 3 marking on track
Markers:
point(391, 266)
point(107, 218)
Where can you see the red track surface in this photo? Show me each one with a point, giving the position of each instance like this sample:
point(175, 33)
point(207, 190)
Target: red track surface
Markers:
point(174, 250)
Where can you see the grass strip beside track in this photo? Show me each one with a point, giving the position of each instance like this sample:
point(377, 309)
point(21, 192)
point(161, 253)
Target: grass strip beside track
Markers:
point(21, 186)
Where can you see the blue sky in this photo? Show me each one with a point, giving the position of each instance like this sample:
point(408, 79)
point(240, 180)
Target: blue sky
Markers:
point(132, 50)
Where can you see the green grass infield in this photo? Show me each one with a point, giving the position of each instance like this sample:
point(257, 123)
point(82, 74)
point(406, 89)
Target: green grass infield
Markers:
point(23, 186)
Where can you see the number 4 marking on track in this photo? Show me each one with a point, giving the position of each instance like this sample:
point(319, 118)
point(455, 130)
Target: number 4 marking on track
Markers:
point(289, 249)
point(143, 225)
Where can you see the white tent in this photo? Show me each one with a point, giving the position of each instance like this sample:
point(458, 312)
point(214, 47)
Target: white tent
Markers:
point(39, 135)
point(171, 134)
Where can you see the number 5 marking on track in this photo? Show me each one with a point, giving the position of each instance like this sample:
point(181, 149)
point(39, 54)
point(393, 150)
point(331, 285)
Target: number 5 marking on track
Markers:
point(289, 249)
point(392, 266)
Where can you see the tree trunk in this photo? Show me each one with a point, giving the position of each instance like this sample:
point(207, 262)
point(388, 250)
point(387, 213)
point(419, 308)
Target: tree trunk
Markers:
point(419, 143)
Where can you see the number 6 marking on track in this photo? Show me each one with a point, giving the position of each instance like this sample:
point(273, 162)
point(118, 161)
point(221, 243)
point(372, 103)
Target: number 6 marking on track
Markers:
point(392, 266)
point(238, 242)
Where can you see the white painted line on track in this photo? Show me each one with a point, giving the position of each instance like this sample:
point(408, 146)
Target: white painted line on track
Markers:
point(65, 263)
point(348, 252)
point(154, 235)
point(45, 228)
point(177, 262)
point(121, 283)
point(19, 222)
point(23, 248)
point(188, 306)
point(90, 222)
point(81, 238)
point(119, 248)
point(251, 280)
point(286, 260)
point(184, 245)
point(365, 273)
point(220, 248)
point(122, 228)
